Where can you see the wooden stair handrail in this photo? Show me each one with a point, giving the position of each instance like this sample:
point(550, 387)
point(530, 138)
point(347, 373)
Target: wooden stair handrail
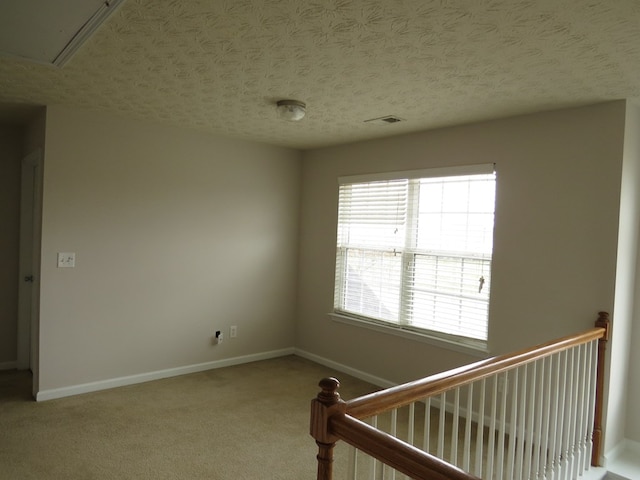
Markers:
point(399, 455)
point(333, 419)
point(400, 395)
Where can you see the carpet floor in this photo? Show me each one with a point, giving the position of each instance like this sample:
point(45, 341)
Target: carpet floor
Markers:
point(243, 422)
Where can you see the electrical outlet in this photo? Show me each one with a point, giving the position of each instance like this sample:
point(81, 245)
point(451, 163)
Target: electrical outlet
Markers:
point(233, 331)
point(219, 336)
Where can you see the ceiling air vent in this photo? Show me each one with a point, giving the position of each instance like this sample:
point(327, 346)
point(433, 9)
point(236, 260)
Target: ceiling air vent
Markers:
point(385, 120)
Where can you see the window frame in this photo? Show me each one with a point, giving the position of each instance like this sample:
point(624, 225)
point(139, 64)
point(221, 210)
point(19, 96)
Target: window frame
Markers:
point(464, 344)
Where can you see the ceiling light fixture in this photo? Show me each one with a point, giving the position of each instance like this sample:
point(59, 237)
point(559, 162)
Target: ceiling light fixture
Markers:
point(291, 110)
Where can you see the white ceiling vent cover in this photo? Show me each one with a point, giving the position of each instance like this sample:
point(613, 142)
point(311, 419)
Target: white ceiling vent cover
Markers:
point(386, 120)
point(49, 32)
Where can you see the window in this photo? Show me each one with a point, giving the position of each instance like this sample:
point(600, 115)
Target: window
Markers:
point(414, 250)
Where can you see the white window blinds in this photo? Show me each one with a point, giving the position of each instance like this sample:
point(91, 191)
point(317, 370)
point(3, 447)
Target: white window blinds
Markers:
point(416, 251)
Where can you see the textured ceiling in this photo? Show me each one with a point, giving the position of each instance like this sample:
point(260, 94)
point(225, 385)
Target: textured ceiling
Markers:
point(220, 65)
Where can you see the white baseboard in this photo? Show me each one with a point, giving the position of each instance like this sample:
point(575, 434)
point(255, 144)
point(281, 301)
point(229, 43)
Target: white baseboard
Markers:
point(8, 365)
point(594, 473)
point(625, 447)
point(157, 375)
point(613, 454)
point(623, 461)
point(380, 382)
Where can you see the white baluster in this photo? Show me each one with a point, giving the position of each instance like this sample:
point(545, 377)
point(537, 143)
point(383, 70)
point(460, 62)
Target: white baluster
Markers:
point(584, 403)
point(393, 431)
point(377, 471)
point(455, 423)
point(541, 415)
point(533, 407)
point(513, 423)
point(502, 425)
point(568, 416)
point(581, 376)
point(521, 432)
point(466, 456)
point(411, 426)
point(549, 404)
point(352, 469)
point(441, 424)
point(480, 431)
point(393, 425)
point(593, 366)
point(427, 425)
point(492, 428)
point(575, 411)
point(559, 462)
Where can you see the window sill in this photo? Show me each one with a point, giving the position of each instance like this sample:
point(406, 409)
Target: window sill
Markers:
point(473, 350)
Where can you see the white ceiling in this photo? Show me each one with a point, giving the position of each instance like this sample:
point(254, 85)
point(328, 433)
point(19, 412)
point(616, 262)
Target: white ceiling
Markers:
point(220, 65)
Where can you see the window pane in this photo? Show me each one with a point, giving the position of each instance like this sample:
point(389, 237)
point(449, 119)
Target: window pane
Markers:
point(442, 313)
point(371, 283)
point(456, 214)
point(450, 295)
point(482, 192)
point(455, 196)
point(373, 214)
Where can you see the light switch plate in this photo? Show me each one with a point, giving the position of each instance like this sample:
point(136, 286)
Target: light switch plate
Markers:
point(66, 259)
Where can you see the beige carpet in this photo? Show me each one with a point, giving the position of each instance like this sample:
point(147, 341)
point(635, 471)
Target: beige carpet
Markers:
point(243, 422)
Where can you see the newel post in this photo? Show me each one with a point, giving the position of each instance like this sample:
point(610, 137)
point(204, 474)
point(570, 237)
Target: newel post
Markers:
point(323, 407)
point(602, 322)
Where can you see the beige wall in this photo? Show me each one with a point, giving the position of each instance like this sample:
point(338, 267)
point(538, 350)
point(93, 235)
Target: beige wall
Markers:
point(176, 234)
point(10, 164)
point(555, 232)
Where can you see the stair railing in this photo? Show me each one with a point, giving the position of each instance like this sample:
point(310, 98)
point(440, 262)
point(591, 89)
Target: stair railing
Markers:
point(536, 413)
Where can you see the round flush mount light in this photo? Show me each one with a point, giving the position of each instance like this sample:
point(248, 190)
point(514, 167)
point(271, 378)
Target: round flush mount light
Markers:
point(291, 110)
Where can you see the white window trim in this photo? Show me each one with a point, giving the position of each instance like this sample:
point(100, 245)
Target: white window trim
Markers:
point(476, 349)
point(479, 169)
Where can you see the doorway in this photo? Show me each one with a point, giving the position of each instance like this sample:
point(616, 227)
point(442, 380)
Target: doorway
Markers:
point(29, 265)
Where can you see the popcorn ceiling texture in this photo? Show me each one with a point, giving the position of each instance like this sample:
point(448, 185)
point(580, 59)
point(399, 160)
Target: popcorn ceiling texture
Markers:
point(221, 65)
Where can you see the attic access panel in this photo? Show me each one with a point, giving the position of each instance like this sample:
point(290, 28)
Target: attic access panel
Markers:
point(49, 32)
